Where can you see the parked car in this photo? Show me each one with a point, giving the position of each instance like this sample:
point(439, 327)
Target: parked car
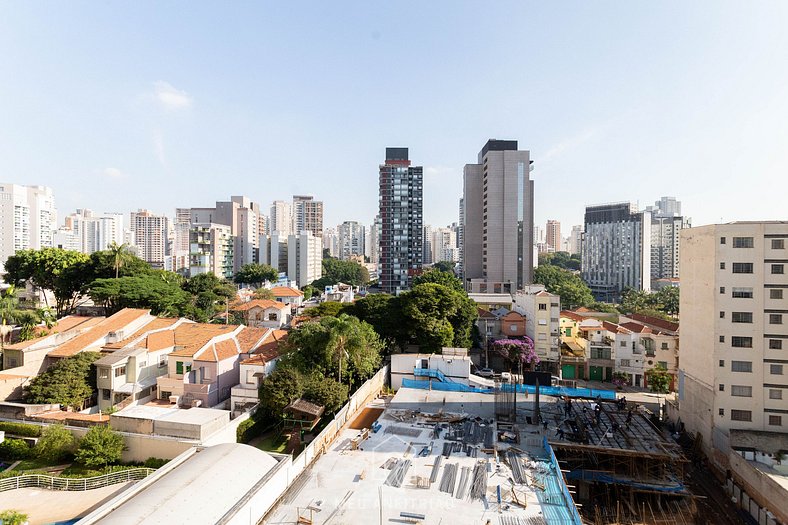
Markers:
point(485, 372)
point(555, 380)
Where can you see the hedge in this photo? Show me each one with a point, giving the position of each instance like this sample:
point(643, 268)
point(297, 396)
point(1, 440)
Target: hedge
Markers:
point(21, 429)
point(13, 449)
point(248, 429)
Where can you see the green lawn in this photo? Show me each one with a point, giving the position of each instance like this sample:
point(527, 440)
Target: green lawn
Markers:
point(272, 442)
point(34, 464)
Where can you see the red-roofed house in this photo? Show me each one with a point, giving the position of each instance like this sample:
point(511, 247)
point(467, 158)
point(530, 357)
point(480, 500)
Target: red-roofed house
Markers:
point(255, 368)
point(264, 313)
point(287, 295)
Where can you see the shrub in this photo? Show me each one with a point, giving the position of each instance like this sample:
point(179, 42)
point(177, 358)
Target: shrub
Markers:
point(56, 443)
point(13, 517)
point(248, 429)
point(21, 429)
point(15, 449)
point(100, 447)
point(155, 462)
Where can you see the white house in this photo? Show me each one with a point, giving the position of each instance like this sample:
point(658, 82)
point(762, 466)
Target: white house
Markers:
point(453, 365)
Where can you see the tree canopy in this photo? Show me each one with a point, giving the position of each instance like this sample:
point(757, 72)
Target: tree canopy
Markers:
point(445, 266)
point(256, 274)
point(338, 271)
point(56, 443)
point(69, 381)
point(561, 259)
point(434, 275)
point(383, 312)
point(143, 291)
point(100, 447)
point(662, 304)
point(286, 384)
point(573, 291)
point(435, 316)
point(659, 379)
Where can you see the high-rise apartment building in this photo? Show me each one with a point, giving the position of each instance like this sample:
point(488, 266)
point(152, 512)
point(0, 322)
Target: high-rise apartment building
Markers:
point(150, 234)
point(211, 250)
point(734, 335)
point(28, 218)
point(401, 235)
point(281, 218)
point(498, 219)
point(666, 224)
point(183, 217)
point(331, 242)
point(553, 235)
point(307, 215)
point(87, 232)
point(372, 244)
point(576, 240)
point(351, 239)
point(242, 215)
point(299, 256)
point(616, 249)
point(427, 250)
point(461, 239)
point(444, 245)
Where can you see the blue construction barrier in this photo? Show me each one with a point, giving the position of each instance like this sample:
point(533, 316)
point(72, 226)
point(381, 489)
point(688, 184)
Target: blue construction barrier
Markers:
point(429, 372)
point(426, 384)
point(569, 502)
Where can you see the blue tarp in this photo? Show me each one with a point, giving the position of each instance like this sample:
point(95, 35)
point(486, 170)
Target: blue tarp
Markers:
point(426, 384)
point(603, 477)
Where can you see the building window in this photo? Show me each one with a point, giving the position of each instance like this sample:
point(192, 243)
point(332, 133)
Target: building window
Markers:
point(775, 421)
point(742, 267)
point(105, 394)
point(513, 327)
point(776, 370)
point(738, 341)
point(180, 369)
point(623, 344)
point(721, 412)
point(664, 346)
point(741, 391)
point(778, 244)
point(741, 317)
point(743, 242)
point(663, 364)
point(120, 371)
point(624, 362)
point(722, 240)
point(722, 266)
point(775, 318)
point(775, 344)
point(778, 269)
point(722, 315)
point(722, 290)
point(722, 363)
point(741, 415)
point(776, 293)
point(722, 387)
point(741, 366)
point(162, 360)
point(103, 373)
point(742, 293)
point(543, 307)
point(775, 393)
point(722, 339)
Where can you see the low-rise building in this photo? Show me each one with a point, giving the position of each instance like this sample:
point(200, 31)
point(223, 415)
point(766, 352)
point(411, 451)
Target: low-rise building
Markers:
point(254, 369)
point(265, 313)
point(288, 295)
point(452, 365)
point(541, 310)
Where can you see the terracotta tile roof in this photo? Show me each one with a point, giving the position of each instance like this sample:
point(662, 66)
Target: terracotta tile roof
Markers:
point(513, 316)
point(260, 303)
point(286, 291)
point(544, 293)
point(484, 313)
point(110, 324)
point(222, 350)
point(156, 324)
point(250, 338)
point(270, 349)
point(191, 337)
point(305, 407)
point(637, 328)
point(572, 315)
point(612, 327)
point(160, 340)
point(70, 322)
point(582, 309)
point(655, 321)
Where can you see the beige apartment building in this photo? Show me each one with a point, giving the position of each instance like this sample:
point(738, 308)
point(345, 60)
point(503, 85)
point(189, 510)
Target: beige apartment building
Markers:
point(734, 332)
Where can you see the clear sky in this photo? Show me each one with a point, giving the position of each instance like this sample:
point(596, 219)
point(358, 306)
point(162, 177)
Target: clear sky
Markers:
point(120, 105)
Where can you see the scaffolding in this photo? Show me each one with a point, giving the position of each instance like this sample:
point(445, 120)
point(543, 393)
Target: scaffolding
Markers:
point(505, 402)
point(626, 471)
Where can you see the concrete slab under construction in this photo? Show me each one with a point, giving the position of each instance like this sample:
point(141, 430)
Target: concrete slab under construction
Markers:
point(450, 476)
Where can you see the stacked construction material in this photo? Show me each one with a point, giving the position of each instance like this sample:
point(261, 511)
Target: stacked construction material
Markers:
point(462, 488)
point(479, 480)
point(516, 464)
point(397, 474)
point(435, 467)
point(449, 478)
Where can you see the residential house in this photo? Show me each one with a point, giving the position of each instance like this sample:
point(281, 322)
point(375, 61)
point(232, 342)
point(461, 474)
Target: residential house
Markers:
point(287, 295)
point(339, 293)
point(30, 354)
point(574, 347)
point(254, 369)
point(452, 365)
point(264, 313)
point(541, 310)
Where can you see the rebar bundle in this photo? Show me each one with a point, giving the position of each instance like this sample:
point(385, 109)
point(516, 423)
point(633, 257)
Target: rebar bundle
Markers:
point(435, 467)
point(449, 478)
point(462, 488)
point(479, 483)
point(517, 467)
point(397, 474)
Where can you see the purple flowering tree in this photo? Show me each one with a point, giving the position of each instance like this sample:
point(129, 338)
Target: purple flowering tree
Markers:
point(519, 352)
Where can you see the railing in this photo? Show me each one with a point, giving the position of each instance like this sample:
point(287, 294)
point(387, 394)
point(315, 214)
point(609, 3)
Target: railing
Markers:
point(429, 372)
point(42, 481)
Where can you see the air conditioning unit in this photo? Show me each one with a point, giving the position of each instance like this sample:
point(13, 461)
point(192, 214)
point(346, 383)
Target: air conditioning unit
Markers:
point(174, 399)
point(196, 403)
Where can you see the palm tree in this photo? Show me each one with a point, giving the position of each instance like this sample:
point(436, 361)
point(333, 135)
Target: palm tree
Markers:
point(28, 321)
point(9, 310)
point(338, 345)
point(47, 316)
point(119, 254)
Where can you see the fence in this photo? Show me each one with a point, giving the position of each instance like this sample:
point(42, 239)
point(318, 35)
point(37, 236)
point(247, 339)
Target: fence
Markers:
point(42, 481)
point(426, 384)
point(568, 503)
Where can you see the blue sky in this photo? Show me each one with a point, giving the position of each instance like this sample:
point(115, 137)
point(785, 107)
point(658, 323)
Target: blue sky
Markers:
point(120, 105)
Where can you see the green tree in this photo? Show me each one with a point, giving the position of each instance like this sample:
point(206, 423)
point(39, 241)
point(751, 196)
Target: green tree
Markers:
point(384, 313)
point(27, 320)
point(573, 291)
point(436, 316)
point(342, 347)
point(100, 447)
point(439, 277)
point(13, 517)
point(69, 381)
point(144, 291)
point(325, 391)
point(13, 449)
point(561, 259)
point(327, 309)
point(309, 291)
point(659, 379)
point(256, 274)
point(63, 272)
point(336, 271)
point(667, 300)
point(264, 293)
point(445, 266)
point(9, 309)
point(55, 444)
point(279, 388)
point(119, 253)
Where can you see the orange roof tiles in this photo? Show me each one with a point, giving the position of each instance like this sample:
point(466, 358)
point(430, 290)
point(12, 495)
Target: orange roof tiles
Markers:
point(156, 324)
point(286, 291)
point(250, 338)
point(637, 328)
point(572, 315)
point(481, 312)
point(659, 323)
point(110, 324)
point(191, 337)
point(61, 327)
point(514, 316)
point(160, 340)
point(270, 349)
point(260, 303)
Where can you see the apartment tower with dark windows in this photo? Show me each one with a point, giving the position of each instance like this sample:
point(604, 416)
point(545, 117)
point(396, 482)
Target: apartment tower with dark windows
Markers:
point(401, 222)
point(498, 219)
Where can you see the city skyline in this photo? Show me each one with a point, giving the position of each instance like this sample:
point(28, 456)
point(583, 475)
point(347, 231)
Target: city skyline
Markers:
point(181, 114)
